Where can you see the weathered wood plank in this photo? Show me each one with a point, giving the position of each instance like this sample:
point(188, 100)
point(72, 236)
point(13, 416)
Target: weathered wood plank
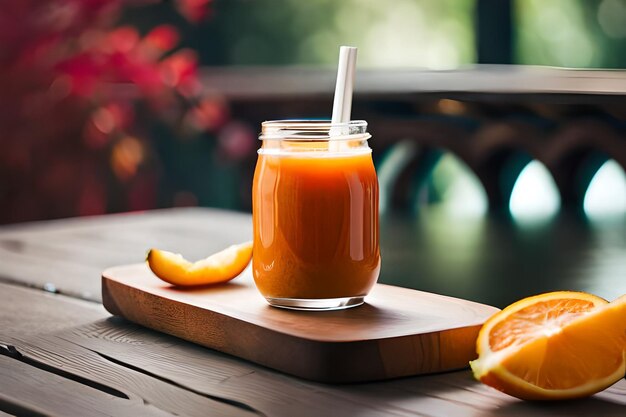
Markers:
point(24, 387)
point(173, 374)
point(132, 382)
point(166, 218)
point(275, 394)
point(27, 312)
point(162, 370)
point(34, 312)
point(210, 372)
point(69, 255)
point(431, 253)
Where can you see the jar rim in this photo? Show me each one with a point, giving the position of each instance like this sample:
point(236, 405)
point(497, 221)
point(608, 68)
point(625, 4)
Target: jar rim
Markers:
point(313, 130)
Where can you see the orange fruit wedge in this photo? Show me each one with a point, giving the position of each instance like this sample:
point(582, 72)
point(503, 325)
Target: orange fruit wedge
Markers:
point(219, 267)
point(552, 346)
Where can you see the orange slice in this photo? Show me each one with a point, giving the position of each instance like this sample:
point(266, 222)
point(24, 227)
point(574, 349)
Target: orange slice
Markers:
point(219, 267)
point(558, 345)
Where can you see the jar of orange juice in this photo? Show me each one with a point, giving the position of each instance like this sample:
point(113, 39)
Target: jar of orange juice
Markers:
point(315, 215)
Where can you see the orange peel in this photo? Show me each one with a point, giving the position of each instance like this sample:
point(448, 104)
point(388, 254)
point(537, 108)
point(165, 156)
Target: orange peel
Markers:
point(217, 268)
point(558, 345)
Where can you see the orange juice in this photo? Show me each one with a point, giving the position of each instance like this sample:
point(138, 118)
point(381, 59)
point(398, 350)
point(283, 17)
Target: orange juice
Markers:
point(315, 219)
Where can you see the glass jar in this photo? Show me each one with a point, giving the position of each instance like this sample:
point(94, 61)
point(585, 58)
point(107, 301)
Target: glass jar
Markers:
point(315, 215)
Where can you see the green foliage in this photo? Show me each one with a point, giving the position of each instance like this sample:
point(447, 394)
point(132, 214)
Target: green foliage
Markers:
point(422, 33)
point(571, 33)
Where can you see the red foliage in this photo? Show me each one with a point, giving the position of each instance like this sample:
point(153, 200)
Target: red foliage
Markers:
point(194, 10)
point(70, 82)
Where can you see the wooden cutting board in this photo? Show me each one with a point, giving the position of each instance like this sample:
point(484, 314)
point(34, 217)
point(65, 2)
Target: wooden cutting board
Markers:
point(397, 332)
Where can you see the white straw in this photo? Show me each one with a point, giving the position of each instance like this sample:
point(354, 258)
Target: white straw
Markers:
point(342, 105)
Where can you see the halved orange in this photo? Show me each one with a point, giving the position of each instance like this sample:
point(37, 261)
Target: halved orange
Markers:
point(219, 267)
point(558, 345)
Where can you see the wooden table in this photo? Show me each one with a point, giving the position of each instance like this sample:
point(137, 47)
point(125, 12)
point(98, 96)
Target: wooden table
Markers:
point(63, 354)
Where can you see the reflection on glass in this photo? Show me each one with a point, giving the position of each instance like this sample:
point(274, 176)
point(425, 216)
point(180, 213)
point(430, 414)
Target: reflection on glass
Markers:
point(459, 192)
point(535, 196)
point(606, 195)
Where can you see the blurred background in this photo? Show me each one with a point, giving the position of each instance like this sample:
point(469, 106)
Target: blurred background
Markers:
point(111, 106)
point(104, 106)
point(409, 33)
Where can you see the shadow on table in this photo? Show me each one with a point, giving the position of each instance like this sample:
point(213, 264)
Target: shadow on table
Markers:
point(458, 393)
point(141, 361)
point(582, 407)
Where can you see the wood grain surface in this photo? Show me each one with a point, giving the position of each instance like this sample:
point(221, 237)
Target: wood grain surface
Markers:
point(398, 332)
point(70, 339)
point(19, 380)
point(41, 367)
point(491, 260)
point(69, 255)
point(176, 376)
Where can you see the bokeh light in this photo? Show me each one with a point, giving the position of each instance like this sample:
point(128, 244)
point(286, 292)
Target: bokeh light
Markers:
point(390, 167)
point(555, 33)
point(126, 156)
point(535, 196)
point(606, 195)
point(571, 33)
point(461, 193)
point(612, 18)
point(412, 33)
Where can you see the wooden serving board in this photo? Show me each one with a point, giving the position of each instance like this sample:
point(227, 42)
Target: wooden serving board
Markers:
point(397, 332)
